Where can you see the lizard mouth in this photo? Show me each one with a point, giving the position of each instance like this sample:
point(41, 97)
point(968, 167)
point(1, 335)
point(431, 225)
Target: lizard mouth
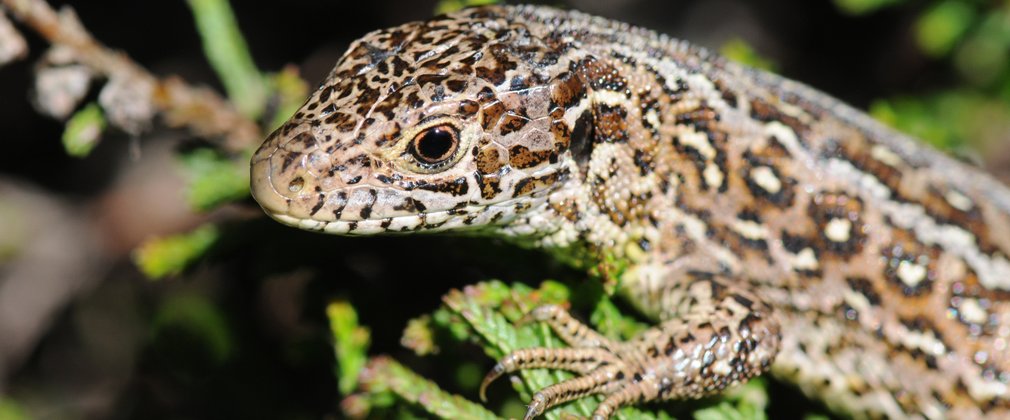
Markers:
point(421, 222)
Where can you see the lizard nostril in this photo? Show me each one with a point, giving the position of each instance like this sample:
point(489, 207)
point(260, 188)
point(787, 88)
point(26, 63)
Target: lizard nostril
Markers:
point(296, 184)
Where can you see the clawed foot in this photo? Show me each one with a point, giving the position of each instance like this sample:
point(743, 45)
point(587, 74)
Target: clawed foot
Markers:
point(599, 362)
point(701, 352)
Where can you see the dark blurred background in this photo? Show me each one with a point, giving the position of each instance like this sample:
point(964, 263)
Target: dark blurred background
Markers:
point(243, 333)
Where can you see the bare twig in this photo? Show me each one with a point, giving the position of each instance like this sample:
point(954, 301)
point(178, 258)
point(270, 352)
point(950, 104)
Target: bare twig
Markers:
point(199, 109)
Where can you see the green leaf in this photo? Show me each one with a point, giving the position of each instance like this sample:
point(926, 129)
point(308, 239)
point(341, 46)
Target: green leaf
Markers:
point(166, 256)
point(385, 376)
point(83, 130)
point(350, 342)
point(215, 179)
point(942, 26)
point(228, 54)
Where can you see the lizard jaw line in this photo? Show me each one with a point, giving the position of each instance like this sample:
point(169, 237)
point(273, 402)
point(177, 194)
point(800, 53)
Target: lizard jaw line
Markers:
point(471, 217)
point(404, 224)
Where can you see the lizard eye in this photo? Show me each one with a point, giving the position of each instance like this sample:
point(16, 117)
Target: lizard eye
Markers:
point(435, 145)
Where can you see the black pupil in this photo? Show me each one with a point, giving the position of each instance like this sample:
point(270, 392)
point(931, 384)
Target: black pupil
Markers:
point(434, 144)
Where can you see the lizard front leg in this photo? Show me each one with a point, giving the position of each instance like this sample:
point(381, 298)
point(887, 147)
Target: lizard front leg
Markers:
point(715, 335)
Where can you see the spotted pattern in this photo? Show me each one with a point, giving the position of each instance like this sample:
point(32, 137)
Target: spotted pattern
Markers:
point(764, 225)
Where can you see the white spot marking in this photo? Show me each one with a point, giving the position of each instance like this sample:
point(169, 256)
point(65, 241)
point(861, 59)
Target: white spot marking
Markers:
point(713, 176)
point(695, 228)
point(986, 389)
point(883, 154)
point(608, 97)
point(750, 229)
point(923, 340)
point(838, 230)
point(864, 180)
point(806, 259)
point(857, 300)
point(722, 368)
point(993, 271)
point(957, 200)
point(786, 136)
point(766, 179)
point(699, 142)
point(911, 273)
point(652, 118)
point(972, 311)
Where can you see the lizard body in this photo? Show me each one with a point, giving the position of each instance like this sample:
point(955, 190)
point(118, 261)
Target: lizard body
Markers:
point(765, 225)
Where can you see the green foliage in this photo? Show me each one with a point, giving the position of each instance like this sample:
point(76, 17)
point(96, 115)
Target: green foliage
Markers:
point(419, 337)
point(984, 56)
point(488, 314)
point(857, 7)
point(942, 26)
point(446, 6)
point(214, 178)
point(974, 38)
point(739, 50)
point(167, 256)
point(746, 402)
point(387, 381)
point(350, 342)
point(11, 410)
point(83, 130)
point(228, 54)
point(491, 310)
point(290, 90)
point(201, 319)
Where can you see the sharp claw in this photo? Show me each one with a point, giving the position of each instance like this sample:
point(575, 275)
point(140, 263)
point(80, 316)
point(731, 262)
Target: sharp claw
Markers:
point(495, 373)
point(536, 406)
point(530, 413)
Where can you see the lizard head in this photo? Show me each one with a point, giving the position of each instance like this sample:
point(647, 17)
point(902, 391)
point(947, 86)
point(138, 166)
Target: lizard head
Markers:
point(450, 123)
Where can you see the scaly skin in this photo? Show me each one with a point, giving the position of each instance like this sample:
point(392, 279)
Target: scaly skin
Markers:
point(763, 224)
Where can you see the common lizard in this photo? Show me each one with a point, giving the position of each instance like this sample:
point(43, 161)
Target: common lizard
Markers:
point(764, 225)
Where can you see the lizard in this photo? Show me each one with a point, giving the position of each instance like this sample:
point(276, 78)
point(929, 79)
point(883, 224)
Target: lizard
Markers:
point(764, 226)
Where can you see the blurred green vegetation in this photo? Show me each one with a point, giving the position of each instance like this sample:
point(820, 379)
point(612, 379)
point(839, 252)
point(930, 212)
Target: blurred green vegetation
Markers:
point(973, 38)
point(83, 130)
point(740, 51)
point(11, 410)
point(200, 321)
point(226, 50)
point(214, 178)
point(350, 344)
point(170, 255)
